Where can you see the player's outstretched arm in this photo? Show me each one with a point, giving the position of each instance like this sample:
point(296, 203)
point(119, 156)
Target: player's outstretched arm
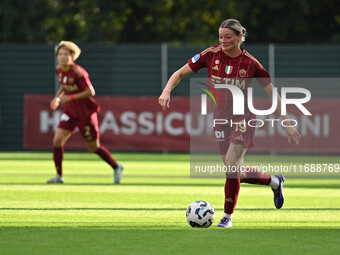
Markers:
point(164, 99)
point(292, 133)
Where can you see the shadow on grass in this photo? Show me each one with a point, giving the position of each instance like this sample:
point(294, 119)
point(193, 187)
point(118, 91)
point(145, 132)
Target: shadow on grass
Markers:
point(165, 238)
point(122, 184)
point(160, 209)
point(43, 175)
point(288, 185)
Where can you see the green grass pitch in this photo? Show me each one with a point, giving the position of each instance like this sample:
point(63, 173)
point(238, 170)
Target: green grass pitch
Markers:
point(145, 214)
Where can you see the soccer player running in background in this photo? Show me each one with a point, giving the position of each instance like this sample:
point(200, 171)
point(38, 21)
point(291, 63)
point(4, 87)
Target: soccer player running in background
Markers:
point(80, 110)
point(229, 60)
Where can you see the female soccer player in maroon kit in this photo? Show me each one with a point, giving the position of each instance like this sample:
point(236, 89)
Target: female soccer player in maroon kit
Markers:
point(80, 110)
point(229, 62)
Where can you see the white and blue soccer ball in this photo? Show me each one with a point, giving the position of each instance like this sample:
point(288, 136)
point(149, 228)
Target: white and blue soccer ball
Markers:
point(200, 214)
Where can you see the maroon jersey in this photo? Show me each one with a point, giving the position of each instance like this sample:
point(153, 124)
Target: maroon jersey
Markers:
point(74, 81)
point(236, 71)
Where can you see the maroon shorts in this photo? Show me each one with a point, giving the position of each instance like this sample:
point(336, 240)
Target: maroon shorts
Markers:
point(88, 126)
point(241, 133)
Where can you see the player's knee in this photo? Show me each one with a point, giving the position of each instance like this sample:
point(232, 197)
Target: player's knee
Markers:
point(92, 147)
point(57, 142)
point(233, 161)
point(233, 166)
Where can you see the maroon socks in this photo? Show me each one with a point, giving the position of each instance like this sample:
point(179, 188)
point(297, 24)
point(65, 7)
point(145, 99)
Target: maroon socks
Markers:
point(231, 191)
point(58, 159)
point(255, 176)
point(232, 186)
point(106, 156)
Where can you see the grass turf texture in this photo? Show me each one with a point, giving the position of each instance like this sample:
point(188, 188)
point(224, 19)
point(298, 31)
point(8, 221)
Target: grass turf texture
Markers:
point(145, 214)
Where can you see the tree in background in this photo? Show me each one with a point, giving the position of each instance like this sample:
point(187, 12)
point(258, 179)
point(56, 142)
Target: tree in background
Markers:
point(171, 21)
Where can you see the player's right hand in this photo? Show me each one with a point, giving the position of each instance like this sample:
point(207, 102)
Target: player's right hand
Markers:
point(293, 134)
point(55, 103)
point(164, 100)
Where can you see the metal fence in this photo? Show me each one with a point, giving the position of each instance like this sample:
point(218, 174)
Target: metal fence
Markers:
point(141, 70)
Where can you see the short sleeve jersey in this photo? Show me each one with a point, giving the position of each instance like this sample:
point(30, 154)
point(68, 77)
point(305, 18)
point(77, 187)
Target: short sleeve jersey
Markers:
point(237, 71)
point(74, 81)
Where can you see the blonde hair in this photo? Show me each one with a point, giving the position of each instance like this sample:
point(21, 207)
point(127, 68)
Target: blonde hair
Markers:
point(236, 26)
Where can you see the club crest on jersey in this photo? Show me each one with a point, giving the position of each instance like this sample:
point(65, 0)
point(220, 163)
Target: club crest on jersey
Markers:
point(195, 58)
point(242, 73)
point(228, 69)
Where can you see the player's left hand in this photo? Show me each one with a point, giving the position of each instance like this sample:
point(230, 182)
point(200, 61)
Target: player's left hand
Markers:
point(293, 135)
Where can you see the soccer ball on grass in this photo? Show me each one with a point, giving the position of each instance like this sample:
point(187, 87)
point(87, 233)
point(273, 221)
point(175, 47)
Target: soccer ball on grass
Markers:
point(200, 214)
